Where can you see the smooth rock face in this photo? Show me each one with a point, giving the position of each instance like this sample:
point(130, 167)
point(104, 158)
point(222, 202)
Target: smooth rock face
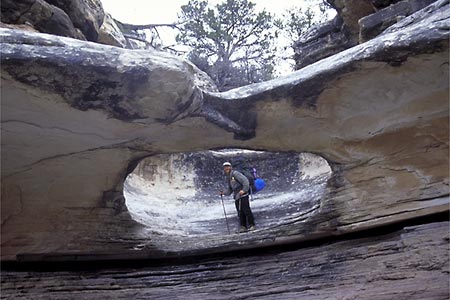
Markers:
point(78, 117)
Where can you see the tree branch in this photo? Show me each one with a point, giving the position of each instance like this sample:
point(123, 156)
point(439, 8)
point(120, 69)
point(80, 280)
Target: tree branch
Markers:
point(131, 37)
point(146, 26)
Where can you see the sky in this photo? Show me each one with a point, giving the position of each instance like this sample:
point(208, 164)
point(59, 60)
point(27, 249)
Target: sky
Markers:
point(149, 12)
point(141, 12)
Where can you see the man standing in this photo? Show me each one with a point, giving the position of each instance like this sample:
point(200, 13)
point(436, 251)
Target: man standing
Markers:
point(238, 184)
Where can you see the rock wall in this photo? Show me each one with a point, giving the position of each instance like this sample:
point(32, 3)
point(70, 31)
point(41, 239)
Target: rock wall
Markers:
point(414, 266)
point(356, 22)
point(78, 117)
point(79, 19)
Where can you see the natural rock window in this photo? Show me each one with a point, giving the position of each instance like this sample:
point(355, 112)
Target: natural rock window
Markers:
point(177, 194)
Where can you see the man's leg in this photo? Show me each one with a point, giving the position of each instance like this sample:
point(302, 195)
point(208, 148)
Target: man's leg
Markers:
point(241, 214)
point(247, 212)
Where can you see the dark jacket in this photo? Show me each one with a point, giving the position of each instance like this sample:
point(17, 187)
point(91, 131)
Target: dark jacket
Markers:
point(236, 182)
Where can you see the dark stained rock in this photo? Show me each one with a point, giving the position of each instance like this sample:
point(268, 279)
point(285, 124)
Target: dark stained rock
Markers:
point(409, 264)
point(321, 42)
point(379, 4)
point(87, 15)
point(12, 10)
point(108, 84)
point(80, 19)
point(374, 24)
point(356, 22)
point(351, 11)
point(41, 15)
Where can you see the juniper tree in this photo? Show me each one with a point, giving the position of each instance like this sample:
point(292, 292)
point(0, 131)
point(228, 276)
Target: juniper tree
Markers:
point(232, 42)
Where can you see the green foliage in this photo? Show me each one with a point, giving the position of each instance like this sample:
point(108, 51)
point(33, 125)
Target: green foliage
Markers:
point(296, 21)
point(295, 24)
point(231, 42)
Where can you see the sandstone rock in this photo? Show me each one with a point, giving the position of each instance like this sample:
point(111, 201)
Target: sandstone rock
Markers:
point(321, 42)
point(110, 34)
point(21, 27)
point(202, 80)
point(87, 15)
point(41, 15)
point(356, 22)
point(411, 264)
point(12, 10)
point(374, 24)
point(77, 118)
point(351, 11)
point(134, 78)
point(379, 4)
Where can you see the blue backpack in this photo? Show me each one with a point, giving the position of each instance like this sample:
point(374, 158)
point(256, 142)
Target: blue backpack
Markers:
point(256, 183)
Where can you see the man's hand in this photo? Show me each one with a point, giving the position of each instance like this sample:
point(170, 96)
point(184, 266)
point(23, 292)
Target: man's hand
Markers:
point(221, 193)
point(241, 192)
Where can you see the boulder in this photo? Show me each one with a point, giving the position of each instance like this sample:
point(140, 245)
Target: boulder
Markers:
point(80, 19)
point(322, 41)
point(351, 11)
point(110, 33)
point(41, 16)
point(356, 22)
point(87, 15)
point(12, 10)
point(374, 24)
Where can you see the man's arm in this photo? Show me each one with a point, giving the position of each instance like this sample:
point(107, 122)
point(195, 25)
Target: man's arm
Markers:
point(227, 191)
point(242, 180)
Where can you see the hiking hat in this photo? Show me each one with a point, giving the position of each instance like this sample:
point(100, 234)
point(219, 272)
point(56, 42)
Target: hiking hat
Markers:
point(225, 164)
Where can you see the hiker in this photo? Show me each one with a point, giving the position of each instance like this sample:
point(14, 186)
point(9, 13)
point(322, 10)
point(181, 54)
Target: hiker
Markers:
point(238, 184)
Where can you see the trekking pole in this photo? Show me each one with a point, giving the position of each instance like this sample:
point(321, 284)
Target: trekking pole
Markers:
point(225, 213)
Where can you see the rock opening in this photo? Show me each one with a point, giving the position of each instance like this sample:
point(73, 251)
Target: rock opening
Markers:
point(177, 194)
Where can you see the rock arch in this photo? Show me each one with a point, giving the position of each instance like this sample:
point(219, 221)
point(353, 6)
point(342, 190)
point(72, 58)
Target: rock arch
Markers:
point(77, 117)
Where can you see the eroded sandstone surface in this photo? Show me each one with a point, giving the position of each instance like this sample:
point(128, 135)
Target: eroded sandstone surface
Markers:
point(414, 266)
point(78, 118)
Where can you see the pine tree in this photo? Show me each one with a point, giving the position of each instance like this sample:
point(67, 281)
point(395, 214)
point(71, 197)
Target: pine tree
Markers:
point(231, 42)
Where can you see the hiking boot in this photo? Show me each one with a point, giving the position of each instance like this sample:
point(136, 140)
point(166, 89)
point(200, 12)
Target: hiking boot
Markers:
point(242, 229)
point(252, 228)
